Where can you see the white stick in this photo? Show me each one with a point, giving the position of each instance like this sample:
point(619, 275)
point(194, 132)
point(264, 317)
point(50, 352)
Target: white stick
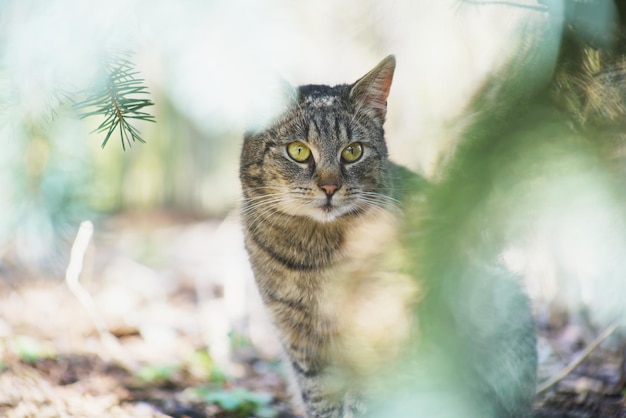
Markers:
point(72, 274)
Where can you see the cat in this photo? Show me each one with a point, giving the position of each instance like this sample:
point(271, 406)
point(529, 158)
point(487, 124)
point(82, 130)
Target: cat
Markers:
point(341, 243)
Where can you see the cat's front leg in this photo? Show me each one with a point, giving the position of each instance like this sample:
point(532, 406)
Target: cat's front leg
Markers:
point(324, 394)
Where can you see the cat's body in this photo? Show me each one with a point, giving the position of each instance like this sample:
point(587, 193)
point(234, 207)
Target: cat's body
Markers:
point(341, 283)
point(299, 218)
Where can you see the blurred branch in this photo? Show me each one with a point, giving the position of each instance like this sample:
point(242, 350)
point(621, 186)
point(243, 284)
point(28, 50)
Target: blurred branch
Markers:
point(117, 101)
point(540, 7)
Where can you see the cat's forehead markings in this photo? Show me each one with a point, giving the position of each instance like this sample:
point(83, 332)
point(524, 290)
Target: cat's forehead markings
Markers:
point(320, 101)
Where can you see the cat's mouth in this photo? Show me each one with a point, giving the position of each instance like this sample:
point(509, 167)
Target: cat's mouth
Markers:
point(328, 205)
point(329, 210)
point(328, 213)
point(323, 209)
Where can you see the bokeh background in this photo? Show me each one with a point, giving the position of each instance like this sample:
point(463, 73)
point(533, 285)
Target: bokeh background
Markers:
point(210, 67)
point(168, 260)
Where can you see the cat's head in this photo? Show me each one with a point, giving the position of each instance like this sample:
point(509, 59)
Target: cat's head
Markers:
point(325, 157)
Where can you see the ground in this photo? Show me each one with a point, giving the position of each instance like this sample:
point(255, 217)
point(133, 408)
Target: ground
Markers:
point(144, 334)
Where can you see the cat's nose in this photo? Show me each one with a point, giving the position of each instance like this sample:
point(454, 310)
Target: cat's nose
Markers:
point(329, 189)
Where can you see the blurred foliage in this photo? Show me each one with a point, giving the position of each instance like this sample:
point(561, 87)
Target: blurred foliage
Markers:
point(202, 366)
point(534, 188)
point(198, 365)
point(30, 349)
point(53, 177)
point(241, 402)
point(158, 374)
point(45, 184)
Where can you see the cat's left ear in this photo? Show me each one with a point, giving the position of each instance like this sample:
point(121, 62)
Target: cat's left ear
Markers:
point(370, 92)
point(271, 97)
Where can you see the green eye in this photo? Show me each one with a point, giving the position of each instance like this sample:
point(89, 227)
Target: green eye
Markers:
point(298, 151)
point(352, 152)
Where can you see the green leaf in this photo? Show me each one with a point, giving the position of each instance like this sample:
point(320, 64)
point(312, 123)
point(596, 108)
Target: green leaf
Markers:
point(266, 412)
point(30, 349)
point(157, 373)
point(229, 401)
point(240, 401)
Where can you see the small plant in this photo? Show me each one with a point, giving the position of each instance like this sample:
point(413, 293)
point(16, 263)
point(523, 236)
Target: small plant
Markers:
point(242, 402)
point(31, 350)
point(200, 365)
point(158, 373)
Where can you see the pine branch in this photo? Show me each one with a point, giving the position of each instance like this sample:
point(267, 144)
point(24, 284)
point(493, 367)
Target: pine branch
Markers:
point(118, 102)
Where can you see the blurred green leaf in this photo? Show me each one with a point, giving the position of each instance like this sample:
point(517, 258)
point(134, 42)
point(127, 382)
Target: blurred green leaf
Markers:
point(243, 402)
point(217, 376)
point(201, 365)
point(30, 349)
point(157, 373)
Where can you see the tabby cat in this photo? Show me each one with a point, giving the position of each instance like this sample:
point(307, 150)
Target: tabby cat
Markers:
point(343, 271)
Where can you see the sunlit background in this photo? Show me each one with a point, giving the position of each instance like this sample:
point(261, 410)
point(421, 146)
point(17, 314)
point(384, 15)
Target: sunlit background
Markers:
point(211, 68)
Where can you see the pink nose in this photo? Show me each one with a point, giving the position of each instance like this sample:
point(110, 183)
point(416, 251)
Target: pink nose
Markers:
point(329, 189)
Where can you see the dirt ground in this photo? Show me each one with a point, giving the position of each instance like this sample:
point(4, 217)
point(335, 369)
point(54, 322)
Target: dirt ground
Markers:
point(165, 323)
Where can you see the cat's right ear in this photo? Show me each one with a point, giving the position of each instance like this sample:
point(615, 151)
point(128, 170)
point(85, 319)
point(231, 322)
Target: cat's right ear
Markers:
point(370, 92)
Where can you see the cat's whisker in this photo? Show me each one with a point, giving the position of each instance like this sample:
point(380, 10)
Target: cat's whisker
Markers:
point(251, 202)
point(378, 199)
point(261, 214)
point(256, 206)
point(266, 191)
point(266, 210)
point(376, 207)
point(383, 200)
point(268, 197)
point(266, 188)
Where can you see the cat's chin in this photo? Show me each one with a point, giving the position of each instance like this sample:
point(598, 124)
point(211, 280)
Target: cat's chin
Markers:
point(327, 214)
point(324, 217)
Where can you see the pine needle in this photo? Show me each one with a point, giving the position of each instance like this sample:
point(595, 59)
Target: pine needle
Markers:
point(119, 101)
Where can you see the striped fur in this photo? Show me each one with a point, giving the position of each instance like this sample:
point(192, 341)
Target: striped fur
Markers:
point(300, 239)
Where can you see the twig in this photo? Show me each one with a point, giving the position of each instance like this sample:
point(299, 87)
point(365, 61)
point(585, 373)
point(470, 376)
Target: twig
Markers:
point(72, 274)
point(619, 387)
point(570, 367)
point(541, 8)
